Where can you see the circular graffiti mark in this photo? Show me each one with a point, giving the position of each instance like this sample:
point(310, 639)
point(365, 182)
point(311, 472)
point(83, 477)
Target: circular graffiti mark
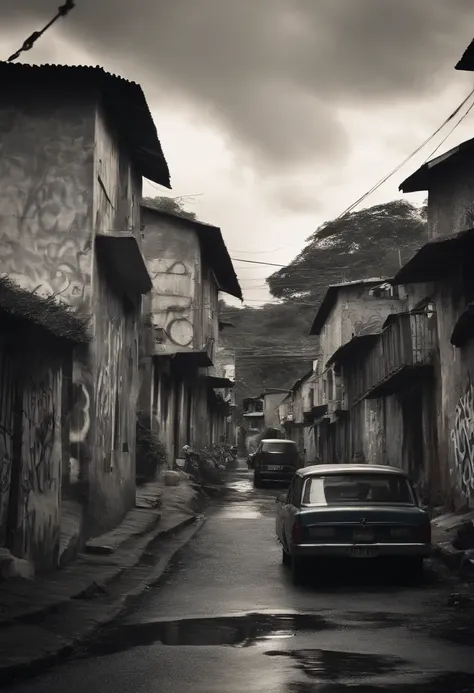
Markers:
point(180, 331)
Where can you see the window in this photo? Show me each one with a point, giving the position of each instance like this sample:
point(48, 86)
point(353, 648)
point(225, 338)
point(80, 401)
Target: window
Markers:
point(352, 489)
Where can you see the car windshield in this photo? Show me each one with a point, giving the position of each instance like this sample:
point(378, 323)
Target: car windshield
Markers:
point(350, 489)
point(278, 447)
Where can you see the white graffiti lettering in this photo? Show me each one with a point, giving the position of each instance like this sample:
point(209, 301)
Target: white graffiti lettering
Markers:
point(82, 420)
point(462, 437)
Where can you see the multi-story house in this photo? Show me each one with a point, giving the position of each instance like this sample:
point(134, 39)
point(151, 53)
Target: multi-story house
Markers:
point(296, 415)
point(189, 265)
point(76, 142)
point(350, 314)
point(439, 281)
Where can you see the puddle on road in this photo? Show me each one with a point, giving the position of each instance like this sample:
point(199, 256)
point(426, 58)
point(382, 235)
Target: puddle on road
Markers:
point(240, 485)
point(332, 665)
point(240, 511)
point(237, 631)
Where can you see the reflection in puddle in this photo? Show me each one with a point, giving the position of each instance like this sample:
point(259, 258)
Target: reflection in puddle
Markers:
point(241, 485)
point(237, 631)
point(240, 511)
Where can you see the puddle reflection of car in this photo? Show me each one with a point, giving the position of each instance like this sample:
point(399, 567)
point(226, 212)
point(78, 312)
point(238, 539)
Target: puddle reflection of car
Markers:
point(275, 460)
point(352, 512)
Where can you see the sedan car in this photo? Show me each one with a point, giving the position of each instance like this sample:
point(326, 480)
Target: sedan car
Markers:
point(354, 512)
point(275, 460)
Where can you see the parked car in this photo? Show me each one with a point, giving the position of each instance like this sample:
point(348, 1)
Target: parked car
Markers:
point(352, 511)
point(275, 460)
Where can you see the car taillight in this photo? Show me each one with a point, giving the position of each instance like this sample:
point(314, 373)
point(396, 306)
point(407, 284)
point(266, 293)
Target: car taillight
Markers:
point(425, 533)
point(297, 533)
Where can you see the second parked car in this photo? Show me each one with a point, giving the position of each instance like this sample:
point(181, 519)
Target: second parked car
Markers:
point(275, 460)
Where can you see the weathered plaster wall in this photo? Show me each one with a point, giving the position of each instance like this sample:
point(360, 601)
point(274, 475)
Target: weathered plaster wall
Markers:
point(115, 381)
point(210, 303)
point(355, 313)
point(32, 451)
point(173, 258)
point(456, 410)
point(7, 399)
point(39, 518)
point(271, 402)
point(450, 201)
point(46, 193)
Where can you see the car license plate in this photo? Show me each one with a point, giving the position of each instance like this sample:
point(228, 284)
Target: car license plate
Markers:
point(274, 468)
point(363, 535)
point(362, 552)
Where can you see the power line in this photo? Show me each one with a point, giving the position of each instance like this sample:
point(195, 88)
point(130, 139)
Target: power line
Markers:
point(407, 159)
point(28, 44)
point(256, 262)
point(449, 133)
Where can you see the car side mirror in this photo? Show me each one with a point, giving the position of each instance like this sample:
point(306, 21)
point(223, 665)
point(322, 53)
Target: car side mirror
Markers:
point(281, 498)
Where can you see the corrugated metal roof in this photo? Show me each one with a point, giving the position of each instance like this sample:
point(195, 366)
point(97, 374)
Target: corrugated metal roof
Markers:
point(215, 252)
point(124, 100)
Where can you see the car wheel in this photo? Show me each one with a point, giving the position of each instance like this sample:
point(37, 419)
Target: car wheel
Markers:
point(285, 557)
point(298, 572)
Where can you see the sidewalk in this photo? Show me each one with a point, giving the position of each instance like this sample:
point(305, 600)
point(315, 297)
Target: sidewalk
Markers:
point(453, 541)
point(45, 618)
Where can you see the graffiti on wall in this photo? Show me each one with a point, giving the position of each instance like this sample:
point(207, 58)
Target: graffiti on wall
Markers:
point(80, 418)
point(462, 437)
point(45, 206)
point(41, 471)
point(172, 303)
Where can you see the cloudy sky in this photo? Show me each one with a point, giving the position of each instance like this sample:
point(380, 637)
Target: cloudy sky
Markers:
point(274, 114)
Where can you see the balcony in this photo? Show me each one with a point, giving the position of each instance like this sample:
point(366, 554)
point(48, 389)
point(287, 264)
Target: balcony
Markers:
point(405, 349)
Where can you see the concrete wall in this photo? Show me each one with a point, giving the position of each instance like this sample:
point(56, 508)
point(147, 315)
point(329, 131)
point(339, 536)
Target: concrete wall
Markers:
point(173, 258)
point(450, 202)
point(32, 424)
point(46, 179)
point(271, 402)
point(456, 410)
point(355, 313)
point(64, 178)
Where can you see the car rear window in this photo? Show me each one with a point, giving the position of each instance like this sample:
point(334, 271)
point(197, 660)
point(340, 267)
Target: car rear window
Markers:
point(278, 447)
point(350, 489)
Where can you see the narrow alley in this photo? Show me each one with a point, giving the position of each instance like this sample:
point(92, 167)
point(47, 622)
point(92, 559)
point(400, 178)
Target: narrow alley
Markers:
point(227, 618)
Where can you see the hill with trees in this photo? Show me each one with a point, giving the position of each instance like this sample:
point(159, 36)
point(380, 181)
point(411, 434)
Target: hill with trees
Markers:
point(271, 342)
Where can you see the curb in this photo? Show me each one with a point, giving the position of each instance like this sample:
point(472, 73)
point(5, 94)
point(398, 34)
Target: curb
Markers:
point(454, 559)
point(28, 668)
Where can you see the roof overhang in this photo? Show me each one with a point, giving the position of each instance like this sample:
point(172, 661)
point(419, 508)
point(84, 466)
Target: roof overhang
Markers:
point(196, 358)
point(355, 346)
point(220, 383)
point(421, 179)
point(437, 260)
point(464, 328)
point(121, 253)
point(467, 60)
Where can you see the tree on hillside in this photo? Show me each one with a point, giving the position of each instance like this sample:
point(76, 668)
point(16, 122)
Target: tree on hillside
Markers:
point(172, 205)
point(373, 242)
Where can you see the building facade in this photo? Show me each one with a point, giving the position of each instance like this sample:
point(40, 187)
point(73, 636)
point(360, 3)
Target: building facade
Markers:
point(76, 142)
point(189, 265)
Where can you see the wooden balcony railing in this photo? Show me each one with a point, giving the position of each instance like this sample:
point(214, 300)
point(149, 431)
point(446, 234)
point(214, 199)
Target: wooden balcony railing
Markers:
point(408, 344)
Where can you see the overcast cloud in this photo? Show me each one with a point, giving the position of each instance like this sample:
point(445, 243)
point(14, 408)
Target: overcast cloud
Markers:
point(302, 104)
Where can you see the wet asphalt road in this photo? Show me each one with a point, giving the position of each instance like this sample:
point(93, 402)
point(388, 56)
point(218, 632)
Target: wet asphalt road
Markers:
point(227, 619)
